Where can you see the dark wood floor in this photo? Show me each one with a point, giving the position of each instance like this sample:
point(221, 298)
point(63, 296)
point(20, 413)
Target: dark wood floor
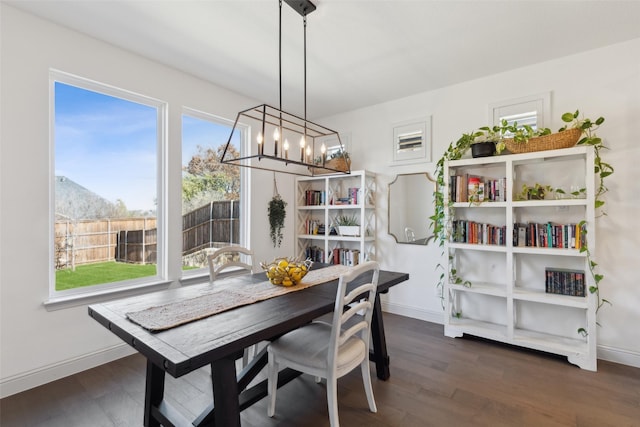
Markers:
point(435, 381)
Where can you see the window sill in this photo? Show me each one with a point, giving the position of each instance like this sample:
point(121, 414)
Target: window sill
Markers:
point(68, 301)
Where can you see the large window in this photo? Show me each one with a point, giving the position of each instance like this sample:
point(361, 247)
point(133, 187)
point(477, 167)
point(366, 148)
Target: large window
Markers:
point(211, 191)
point(107, 146)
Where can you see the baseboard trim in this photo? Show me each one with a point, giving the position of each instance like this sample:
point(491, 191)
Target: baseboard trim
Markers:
point(34, 378)
point(610, 354)
point(413, 312)
point(617, 355)
point(37, 377)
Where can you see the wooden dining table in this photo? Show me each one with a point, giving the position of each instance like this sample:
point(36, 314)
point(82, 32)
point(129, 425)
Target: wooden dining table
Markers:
point(220, 339)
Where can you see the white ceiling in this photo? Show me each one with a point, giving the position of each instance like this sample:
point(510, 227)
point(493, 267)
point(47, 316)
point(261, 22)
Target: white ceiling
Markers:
point(359, 53)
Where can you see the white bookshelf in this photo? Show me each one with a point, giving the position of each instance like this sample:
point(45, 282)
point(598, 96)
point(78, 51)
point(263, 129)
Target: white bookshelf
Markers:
point(507, 300)
point(332, 198)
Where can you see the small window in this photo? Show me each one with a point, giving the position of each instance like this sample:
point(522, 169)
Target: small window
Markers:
point(531, 111)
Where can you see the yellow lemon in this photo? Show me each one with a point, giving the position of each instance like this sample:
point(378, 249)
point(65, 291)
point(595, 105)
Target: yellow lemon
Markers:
point(287, 282)
point(283, 264)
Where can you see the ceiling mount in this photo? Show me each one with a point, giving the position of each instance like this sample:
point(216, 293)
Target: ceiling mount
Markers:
point(303, 7)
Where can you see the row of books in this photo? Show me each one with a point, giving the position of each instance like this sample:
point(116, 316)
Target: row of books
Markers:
point(548, 235)
point(345, 256)
point(314, 198)
point(313, 226)
point(540, 235)
point(565, 282)
point(350, 199)
point(314, 253)
point(493, 190)
point(319, 197)
point(464, 231)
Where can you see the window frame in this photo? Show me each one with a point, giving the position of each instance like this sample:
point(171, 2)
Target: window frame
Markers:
point(243, 130)
point(61, 299)
point(541, 102)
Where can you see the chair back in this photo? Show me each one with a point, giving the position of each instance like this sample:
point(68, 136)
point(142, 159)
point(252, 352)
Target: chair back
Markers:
point(230, 258)
point(409, 234)
point(360, 301)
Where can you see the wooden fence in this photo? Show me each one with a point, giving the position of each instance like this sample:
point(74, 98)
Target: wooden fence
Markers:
point(135, 239)
point(211, 225)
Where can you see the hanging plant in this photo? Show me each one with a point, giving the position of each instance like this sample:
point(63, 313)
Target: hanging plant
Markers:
point(277, 214)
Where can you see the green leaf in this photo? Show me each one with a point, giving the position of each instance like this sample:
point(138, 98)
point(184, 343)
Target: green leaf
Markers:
point(598, 277)
point(583, 332)
point(599, 203)
point(593, 289)
point(600, 121)
point(567, 117)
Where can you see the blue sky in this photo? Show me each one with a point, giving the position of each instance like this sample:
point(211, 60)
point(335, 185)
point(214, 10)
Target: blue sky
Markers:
point(109, 145)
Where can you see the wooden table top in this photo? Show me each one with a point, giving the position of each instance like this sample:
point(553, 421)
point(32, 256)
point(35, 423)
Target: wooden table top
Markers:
point(185, 348)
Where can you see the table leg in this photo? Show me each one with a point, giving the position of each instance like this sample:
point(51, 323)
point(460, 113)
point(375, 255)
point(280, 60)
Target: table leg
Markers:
point(380, 355)
point(154, 393)
point(225, 393)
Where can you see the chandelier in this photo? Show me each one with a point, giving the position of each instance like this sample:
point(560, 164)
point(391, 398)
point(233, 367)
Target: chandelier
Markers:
point(285, 142)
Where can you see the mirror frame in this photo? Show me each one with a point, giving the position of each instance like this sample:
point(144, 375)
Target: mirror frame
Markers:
point(427, 239)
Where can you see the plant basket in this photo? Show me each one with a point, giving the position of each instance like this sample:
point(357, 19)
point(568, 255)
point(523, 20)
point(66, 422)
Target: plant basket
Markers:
point(339, 163)
point(565, 139)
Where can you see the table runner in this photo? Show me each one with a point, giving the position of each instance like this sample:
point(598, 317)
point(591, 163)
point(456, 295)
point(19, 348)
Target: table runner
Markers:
point(222, 297)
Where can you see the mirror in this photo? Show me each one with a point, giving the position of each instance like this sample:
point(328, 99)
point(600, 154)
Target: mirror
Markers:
point(410, 199)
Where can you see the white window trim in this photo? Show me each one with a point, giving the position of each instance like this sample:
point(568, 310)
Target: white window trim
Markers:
point(73, 297)
point(541, 101)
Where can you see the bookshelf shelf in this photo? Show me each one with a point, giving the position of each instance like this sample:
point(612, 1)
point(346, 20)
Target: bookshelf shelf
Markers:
point(541, 237)
point(320, 200)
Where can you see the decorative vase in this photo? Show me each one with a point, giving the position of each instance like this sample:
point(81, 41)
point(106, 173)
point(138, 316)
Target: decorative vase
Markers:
point(483, 149)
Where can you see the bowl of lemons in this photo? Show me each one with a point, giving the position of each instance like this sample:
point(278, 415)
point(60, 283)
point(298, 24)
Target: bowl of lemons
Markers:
point(286, 271)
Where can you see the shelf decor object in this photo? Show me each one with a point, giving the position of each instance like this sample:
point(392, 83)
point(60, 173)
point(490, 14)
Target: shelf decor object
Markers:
point(564, 139)
point(286, 142)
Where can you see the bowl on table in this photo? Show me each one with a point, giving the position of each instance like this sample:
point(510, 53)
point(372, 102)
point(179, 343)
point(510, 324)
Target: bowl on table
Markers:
point(286, 271)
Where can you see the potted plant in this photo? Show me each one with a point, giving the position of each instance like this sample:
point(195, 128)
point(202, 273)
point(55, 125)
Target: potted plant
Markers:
point(485, 141)
point(534, 192)
point(348, 225)
point(339, 160)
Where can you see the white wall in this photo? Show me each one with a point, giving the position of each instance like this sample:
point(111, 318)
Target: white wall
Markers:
point(603, 82)
point(39, 345)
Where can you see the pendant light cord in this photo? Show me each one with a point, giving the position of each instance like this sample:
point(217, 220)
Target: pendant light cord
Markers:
point(280, 53)
point(304, 21)
point(275, 186)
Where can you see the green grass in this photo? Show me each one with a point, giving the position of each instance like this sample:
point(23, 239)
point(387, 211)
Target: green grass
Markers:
point(103, 272)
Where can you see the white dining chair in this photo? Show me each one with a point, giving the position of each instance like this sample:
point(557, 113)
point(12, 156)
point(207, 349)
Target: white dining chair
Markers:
point(331, 350)
point(229, 259)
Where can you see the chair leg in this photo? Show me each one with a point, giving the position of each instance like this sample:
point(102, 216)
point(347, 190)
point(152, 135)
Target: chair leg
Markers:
point(368, 389)
point(272, 385)
point(332, 400)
